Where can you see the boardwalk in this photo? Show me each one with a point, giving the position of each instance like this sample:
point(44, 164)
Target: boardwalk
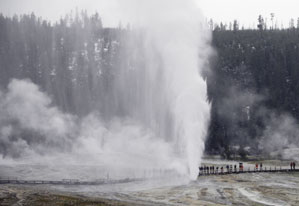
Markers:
point(248, 170)
point(9, 180)
point(14, 180)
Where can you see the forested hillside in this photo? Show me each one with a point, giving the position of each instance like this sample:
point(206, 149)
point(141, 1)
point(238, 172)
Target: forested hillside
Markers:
point(254, 81)
point(254, 77)
point(74, 60)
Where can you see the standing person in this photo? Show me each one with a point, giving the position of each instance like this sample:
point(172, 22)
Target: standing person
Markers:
point(256, 166)
point(291, 165)
point(221, 170)
point(261, 166)
point(240, 167)
point(201, 170)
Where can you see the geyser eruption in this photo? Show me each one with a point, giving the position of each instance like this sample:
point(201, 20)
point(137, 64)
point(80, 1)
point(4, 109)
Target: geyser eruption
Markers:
point(151, 116)
point(174, 30)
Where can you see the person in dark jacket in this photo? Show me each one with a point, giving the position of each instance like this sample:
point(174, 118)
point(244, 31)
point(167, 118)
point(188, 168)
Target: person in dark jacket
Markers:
point(200, 170)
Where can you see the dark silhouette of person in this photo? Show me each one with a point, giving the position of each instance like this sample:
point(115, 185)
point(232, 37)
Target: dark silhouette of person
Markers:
point(240, 167)
point(200, 170)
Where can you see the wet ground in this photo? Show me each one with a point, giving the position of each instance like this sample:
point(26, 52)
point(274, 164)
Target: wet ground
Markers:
point(234, 189)
point(247, 189)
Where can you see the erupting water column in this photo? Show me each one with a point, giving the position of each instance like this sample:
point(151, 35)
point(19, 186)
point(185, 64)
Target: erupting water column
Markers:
point(153, 115)
point(175, 28)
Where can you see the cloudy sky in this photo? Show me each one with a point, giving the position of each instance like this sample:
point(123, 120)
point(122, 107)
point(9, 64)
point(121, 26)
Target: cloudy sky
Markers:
point(246, 11)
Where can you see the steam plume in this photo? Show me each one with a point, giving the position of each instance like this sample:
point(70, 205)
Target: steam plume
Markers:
point(154, 117)
point(174, 29)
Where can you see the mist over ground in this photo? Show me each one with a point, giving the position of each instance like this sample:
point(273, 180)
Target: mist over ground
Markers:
point(253, 91)
point(124, 110)
point(80, 92)
point(134, 96)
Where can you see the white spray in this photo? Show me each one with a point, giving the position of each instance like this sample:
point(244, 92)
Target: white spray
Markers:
point(166, 113)
point(175, 28)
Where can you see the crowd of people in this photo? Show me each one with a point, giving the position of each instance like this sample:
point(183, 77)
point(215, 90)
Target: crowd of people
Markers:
point(221, 169)
point(204, 170)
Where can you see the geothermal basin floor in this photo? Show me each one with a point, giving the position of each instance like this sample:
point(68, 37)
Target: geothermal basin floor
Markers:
point(269, 188)
point(248, 189)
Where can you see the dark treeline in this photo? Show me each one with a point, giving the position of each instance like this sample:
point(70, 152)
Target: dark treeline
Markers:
point(84, 67)
point(73, 60)
point(254, 75)
point(262, 24)
point(255, 78)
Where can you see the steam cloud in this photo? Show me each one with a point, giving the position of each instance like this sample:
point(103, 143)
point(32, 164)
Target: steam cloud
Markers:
point(164, 108)
point(31, 127)
point(28, 121)
point(176, 31)
point(280, 137)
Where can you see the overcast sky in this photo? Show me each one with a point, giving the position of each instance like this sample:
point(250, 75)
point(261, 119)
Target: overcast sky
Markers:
point(246, 11)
